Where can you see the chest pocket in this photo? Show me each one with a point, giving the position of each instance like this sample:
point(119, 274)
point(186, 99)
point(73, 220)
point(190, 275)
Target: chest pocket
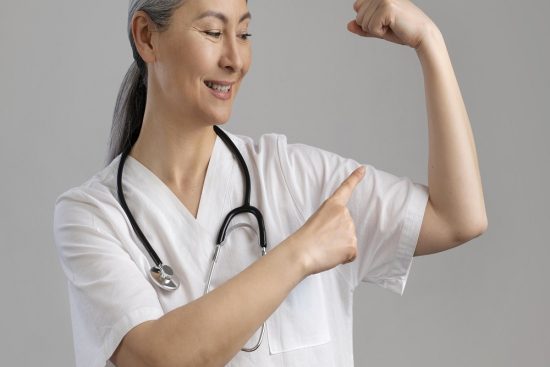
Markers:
point(301, 320)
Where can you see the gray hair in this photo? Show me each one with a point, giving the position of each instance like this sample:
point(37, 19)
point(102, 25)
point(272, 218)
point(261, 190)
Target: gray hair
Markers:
point(132, 96)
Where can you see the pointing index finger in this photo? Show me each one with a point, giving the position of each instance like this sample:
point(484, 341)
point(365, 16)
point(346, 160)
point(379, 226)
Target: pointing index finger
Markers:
point(344, 191)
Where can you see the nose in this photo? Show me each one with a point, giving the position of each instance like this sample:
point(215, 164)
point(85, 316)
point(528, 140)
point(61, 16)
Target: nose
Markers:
point(232, 56)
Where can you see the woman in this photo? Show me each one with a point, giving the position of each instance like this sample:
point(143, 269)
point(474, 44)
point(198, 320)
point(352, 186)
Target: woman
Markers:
point(330, 223)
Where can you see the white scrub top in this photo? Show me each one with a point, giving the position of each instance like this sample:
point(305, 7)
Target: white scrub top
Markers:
point(107, 267)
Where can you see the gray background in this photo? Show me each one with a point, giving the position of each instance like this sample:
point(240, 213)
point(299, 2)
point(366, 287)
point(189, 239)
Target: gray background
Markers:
point(484, 303)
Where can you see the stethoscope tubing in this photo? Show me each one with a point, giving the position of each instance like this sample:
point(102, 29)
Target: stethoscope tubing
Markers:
point(162, 274)
point(135, 226)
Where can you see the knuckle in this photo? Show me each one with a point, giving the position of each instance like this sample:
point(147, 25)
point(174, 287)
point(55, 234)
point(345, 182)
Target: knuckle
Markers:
point(374, 28)
point(331, 205)
point(389, 6)
point(348, 214)
point(342, 210)
point(336, 207)
point(369, 27)
point(352, 255)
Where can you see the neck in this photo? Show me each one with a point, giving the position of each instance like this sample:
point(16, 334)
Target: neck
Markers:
point(176, 152)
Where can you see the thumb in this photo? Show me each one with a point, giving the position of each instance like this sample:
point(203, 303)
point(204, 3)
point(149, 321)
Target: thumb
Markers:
point(353, 27)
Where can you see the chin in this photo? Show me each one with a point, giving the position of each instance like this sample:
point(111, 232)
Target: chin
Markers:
point(218, 119)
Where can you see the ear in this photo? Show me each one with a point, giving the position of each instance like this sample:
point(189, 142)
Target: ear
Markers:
point(143, 34)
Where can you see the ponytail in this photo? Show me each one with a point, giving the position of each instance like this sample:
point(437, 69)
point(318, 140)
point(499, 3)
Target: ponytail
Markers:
point(132, 96)
point(129, 110)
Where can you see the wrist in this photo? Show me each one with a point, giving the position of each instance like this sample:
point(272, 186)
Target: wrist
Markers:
point(297, 258)
point(432, 39)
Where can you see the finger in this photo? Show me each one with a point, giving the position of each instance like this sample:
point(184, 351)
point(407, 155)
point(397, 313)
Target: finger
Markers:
point(344, 191)
point(389, 35)
point(380, 21)
point(362, 8)
point(365, 13)
point(357, 4)
point(354, 28)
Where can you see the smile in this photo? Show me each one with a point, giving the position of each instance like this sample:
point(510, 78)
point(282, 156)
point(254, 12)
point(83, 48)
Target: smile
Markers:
point(218, 87)
point(220, 91)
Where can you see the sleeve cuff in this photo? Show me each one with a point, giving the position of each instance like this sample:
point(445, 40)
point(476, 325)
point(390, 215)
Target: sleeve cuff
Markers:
point(407, 241)
point(122, 327)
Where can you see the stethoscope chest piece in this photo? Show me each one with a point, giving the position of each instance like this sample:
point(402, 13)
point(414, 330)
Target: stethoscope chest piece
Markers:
point(164, 277)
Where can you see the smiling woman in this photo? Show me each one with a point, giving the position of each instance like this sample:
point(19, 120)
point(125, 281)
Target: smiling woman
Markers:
point(328, 222)
point(178, 23)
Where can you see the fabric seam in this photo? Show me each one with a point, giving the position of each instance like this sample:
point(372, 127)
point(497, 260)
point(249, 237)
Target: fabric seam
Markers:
point(301, 215)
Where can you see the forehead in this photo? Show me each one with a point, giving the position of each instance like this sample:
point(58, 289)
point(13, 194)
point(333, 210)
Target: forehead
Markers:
point(225, 11)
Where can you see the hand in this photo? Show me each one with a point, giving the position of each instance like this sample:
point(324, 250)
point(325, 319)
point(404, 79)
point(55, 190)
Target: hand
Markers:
point(328, 237)
point(397, 21)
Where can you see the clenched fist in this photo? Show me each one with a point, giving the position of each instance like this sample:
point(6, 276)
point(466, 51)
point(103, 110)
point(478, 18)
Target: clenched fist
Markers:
point(397, 21)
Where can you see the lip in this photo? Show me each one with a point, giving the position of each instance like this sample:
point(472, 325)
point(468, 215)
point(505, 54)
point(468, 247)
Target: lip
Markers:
point(220, 95)
point(220, 82)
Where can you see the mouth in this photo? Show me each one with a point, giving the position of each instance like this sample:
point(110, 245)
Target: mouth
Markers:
point(220, 89)
point(219, 86)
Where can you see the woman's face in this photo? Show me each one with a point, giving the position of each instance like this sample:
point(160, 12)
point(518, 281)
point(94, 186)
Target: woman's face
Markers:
point(198, 48)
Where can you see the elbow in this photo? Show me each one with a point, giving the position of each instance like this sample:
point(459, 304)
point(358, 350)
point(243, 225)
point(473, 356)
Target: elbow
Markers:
point(152, 348)
point(191, 356)
point(178, 359)
point(472, 231)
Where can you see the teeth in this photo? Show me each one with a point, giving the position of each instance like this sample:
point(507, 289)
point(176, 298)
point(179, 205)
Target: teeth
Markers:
point(220, 88)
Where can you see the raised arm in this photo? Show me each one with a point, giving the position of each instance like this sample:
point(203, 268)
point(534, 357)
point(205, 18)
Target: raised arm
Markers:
point(455, 212)
point(456, 196)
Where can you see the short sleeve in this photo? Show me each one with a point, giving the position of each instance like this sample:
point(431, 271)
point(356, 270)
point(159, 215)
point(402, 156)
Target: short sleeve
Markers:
point(387, 211)
point(108, 294)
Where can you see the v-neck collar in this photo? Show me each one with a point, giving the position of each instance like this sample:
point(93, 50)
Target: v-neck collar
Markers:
point(214, 194)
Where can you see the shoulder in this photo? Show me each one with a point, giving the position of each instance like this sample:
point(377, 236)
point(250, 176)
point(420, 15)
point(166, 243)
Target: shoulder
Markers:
point(89, 200)
point(301, 164)
point(307, 172)
point(277, 145)
point(265, 143)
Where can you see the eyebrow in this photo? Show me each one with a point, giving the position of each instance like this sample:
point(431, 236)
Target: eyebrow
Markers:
point(221, 16)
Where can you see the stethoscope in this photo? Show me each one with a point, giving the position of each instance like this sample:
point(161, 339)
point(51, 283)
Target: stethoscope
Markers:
point(162, 274)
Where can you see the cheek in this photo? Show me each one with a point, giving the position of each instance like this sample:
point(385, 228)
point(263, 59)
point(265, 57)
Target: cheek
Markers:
point(172, 68)
point(248, 61)
point(188, 60)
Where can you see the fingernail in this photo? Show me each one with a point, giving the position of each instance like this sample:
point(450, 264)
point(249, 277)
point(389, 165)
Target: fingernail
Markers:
point(362, 170)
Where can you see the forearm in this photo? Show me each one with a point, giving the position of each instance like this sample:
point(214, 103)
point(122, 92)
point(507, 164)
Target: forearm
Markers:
point(454, 180)
point(211, 330)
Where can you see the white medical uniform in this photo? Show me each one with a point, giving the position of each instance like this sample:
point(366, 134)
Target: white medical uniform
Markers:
point(107, 267)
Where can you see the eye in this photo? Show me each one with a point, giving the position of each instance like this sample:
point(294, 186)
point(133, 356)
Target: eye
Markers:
point(213, 34)
point(245, 36)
